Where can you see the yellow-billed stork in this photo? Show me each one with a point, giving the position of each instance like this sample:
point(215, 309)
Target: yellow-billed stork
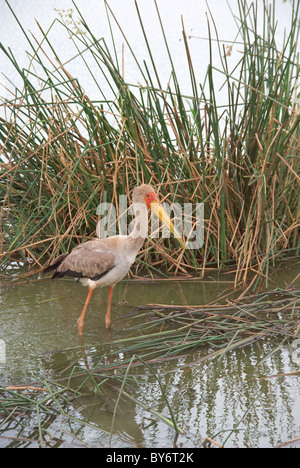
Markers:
point(105, 262)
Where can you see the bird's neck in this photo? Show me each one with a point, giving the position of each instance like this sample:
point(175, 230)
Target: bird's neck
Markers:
point(140, 226)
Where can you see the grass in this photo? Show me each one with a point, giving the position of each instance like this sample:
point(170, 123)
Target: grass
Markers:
point(62, 154)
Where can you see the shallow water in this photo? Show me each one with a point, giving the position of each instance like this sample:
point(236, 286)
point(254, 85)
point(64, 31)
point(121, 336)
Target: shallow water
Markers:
point(228, 399)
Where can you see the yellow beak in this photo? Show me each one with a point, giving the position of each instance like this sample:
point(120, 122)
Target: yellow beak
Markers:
point(164, 217)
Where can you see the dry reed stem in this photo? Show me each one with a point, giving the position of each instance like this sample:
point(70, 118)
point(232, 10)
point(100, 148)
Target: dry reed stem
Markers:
point(64, 155)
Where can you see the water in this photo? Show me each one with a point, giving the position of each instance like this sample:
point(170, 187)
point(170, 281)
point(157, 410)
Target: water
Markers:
point(194, 13)
point(228, 397)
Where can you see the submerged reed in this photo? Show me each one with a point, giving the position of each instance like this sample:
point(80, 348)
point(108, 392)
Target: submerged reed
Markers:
point(107, 373)
point(62, 154)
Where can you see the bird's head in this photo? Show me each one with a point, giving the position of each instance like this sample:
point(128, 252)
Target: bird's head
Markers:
point(146, 195)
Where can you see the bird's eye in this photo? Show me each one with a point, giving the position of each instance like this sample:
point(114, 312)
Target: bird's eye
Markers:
point(147, 195)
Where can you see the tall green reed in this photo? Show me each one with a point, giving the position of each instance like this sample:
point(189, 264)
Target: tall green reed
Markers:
point(62, 153)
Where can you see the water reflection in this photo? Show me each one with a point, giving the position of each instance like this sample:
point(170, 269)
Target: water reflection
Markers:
point(229, 399)
point(223, 399)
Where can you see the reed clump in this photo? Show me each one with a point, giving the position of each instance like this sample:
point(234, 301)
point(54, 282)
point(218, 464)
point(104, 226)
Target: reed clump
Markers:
point(62, 153)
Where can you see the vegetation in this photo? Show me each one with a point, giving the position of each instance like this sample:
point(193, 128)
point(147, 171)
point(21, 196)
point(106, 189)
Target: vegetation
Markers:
point(62, 154)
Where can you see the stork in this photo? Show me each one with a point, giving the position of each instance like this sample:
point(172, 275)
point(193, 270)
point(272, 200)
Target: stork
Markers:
point(105, 262)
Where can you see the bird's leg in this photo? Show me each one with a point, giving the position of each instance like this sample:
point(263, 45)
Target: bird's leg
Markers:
point(107, 316)
point(81, 318)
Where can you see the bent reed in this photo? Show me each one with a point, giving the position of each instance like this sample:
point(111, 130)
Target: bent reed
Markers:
point(62, 153)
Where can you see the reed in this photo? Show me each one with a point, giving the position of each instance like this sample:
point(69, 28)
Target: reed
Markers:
point(122, 369)
point(62, 153)
point(165, 332)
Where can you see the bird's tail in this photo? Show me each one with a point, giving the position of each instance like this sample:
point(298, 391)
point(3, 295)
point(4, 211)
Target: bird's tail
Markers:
point(55, 263)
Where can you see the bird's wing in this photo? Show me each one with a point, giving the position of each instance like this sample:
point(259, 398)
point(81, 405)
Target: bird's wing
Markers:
point(92, 259)
point(55, 263)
